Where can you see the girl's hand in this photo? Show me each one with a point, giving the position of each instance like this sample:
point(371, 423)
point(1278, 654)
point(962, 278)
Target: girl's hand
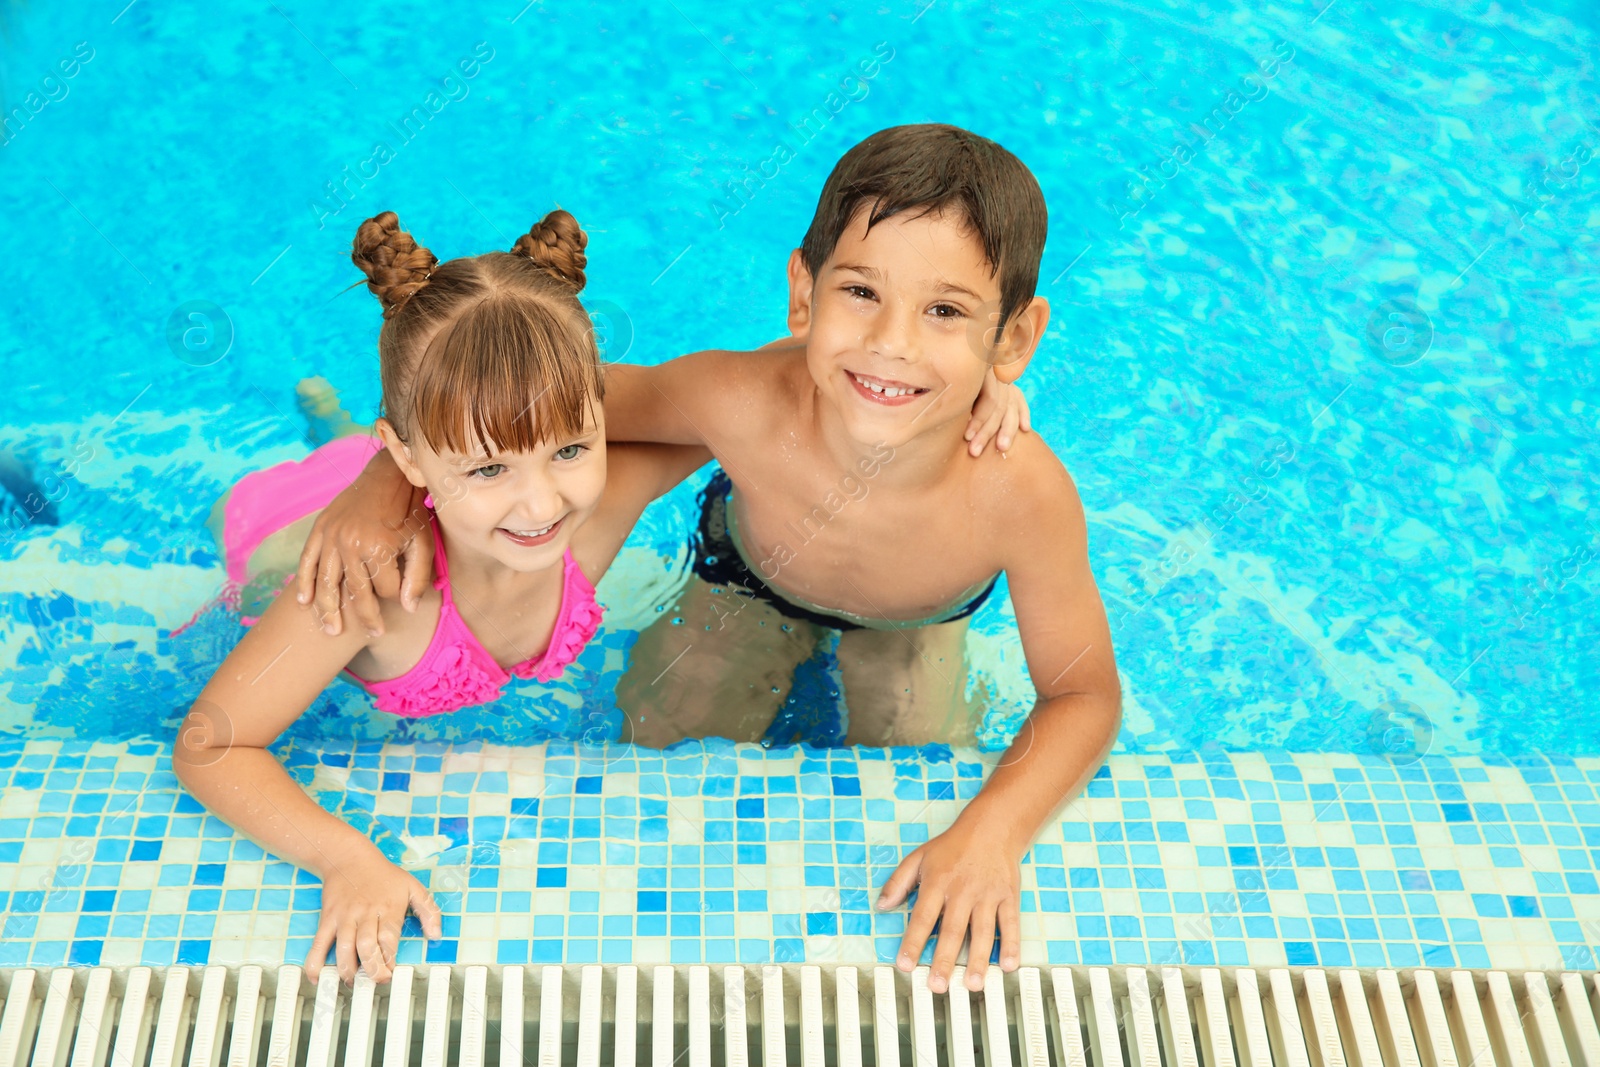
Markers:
point(357, 547)
point(963, 876)
point(1000, 406)
point(363, 907)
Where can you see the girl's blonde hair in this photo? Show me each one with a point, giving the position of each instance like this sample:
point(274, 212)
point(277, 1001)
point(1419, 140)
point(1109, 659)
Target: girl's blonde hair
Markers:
point(489, 352)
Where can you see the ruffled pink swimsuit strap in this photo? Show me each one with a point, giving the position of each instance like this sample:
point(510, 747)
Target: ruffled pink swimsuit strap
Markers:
point(457, 671)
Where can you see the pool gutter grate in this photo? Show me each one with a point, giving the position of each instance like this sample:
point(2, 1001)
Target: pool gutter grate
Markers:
point(807, 1015)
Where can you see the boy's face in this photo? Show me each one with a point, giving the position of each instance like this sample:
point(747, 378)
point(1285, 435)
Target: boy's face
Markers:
point(900, 323)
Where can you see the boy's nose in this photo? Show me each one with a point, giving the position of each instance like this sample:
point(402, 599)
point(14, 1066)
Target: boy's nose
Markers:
point(893, 333)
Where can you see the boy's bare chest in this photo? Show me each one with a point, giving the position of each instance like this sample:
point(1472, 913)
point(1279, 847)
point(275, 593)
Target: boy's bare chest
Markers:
point(852, 543)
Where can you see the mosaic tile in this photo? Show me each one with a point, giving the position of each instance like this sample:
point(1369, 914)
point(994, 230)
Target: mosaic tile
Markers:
point(716, 852)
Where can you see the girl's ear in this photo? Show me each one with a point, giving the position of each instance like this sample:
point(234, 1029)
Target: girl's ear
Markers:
point(1020, 340)
point(800, 288)
point(400, 452)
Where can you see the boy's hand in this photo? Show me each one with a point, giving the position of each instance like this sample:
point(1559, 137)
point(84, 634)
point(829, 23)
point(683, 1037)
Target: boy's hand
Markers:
point(363, 907)
point(1001, 407)
point(964, 877)
point(357, 546)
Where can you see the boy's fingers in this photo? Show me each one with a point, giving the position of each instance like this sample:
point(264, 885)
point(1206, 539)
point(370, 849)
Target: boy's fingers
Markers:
point(414, 578)
point(919, 926)
point(368, 611)
point(1010, 932)
point(358, 591)
point(952, 932)
point(901, 881)
point(384, 572)
point(329, 606)
point(305, 576)
point(981, 947)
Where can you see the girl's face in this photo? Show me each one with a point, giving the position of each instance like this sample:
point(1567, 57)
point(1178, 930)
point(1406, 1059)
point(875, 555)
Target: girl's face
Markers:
point(518, 509)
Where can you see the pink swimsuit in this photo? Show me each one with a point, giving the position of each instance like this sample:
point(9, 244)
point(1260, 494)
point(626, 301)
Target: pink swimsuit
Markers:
point(456, 671)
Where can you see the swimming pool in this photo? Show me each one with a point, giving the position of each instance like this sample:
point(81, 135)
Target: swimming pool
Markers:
point(1320, 362)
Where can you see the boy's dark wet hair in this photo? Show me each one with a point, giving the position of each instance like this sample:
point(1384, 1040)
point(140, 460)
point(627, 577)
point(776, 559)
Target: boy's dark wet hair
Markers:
point(932, 168)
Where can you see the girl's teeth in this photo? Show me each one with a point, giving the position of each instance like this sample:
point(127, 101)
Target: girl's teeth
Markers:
point(533, 533)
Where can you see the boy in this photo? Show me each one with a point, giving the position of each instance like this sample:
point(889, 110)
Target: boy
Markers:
point(846, 503)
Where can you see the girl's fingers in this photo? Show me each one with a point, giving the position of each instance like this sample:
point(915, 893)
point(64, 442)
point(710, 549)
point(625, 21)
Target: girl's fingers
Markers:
point(901, 882)
point(426, 911)
point(981, 440)
point(370, 952)
point(389, 944)
point(1010, 932)
point(1008, 429)
point(1027, 416)
point(319, 950)
point(345, 953)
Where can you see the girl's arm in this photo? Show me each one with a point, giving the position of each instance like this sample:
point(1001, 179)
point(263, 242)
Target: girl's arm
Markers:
point(680, 402)
point(221, 756)
point(635, 475)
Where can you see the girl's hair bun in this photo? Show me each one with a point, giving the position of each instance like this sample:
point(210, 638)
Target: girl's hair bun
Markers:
point(395, 265)
point(556, 243)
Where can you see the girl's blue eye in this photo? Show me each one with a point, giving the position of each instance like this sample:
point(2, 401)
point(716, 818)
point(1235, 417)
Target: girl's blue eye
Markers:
point(570, 452)
point(488, 470)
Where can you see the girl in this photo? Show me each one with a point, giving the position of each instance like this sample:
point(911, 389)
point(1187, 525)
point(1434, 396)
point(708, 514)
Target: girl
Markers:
point(491, 397)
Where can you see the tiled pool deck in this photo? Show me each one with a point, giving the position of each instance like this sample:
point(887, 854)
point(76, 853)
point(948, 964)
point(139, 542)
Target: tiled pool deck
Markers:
point(715, 852)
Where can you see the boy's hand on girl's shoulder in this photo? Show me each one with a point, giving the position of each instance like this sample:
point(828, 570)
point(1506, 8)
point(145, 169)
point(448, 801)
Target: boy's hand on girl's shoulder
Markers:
point(372, 541)
point(364, 906)
point(998, 413)
point(964, 880)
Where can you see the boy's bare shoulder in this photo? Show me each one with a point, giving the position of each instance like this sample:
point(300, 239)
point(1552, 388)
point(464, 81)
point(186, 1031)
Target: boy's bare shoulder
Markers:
point(1028, 493)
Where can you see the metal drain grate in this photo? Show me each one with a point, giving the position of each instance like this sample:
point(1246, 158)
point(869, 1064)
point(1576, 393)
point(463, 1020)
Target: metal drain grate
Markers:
point(807, 1015)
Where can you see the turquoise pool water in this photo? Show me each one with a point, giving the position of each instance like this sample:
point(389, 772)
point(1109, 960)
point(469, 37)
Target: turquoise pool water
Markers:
point(1321, 360)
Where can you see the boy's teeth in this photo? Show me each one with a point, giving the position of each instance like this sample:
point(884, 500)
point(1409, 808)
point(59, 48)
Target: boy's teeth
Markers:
point(885, 389)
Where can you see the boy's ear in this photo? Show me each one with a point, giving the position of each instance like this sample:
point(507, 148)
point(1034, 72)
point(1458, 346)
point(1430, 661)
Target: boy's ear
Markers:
point(400, 452)
point(1021, 338)
point(800, 287)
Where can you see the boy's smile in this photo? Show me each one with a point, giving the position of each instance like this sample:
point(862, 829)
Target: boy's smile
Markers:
point(895, 327)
